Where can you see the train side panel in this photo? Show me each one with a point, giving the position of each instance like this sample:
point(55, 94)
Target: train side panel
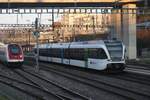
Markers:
point(97, 64)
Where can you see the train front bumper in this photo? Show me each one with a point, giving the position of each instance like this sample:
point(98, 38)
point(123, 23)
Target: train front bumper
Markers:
point(115, 66)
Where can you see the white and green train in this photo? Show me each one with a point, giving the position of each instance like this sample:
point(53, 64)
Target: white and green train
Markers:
point(99, 54)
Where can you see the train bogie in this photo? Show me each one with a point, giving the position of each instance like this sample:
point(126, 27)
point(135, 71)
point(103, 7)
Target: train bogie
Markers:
point(14, 64)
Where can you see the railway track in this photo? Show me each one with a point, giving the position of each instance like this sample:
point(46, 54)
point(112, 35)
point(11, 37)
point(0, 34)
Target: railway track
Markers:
point(112, 88)
point(32, 86)
point(27, 88)
point(60, 91)
point(139, 67)
point(132, 78)
point(10, 72)
point(145, 71)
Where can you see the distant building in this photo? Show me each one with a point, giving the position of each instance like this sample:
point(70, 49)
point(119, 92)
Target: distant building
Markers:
point(76, 25)
point(143, 34)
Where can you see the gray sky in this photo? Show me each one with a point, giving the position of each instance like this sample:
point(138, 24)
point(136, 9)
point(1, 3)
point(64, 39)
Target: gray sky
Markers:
point(25, 18)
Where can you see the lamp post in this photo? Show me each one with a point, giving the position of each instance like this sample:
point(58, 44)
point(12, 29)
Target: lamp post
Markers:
point(8, 4)
point(49, 20)
point(146, 3)
point(29, 31)
point(94, 31)
point(116, 3)
point(74, 26)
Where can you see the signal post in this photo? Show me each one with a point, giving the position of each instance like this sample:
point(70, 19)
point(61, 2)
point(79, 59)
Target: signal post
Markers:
point(36, 33)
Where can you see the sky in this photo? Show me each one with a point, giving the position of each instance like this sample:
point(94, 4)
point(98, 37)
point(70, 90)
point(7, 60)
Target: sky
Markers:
point(30, 18)
point(26, 18)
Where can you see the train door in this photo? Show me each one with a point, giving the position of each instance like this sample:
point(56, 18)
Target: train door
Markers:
point(86, 57)
point(49, 51)
point(62, 54)
point(66, 56)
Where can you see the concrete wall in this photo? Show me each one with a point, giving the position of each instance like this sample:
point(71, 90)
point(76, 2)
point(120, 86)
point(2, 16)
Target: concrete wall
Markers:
point(129, 32)
point(125, 30)
point(116, 23)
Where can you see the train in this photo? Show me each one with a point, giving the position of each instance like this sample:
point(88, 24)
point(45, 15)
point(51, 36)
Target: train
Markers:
point(106, 55)
point(11, 55)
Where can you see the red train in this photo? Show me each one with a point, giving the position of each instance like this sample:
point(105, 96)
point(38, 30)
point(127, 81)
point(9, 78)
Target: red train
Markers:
point(11, 54)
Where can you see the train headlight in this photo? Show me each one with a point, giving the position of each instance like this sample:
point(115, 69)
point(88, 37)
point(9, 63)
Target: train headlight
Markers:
point(108, 59)
point(21, 56)
point(122, 59)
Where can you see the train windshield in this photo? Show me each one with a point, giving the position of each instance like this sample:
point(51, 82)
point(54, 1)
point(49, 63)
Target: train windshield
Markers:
point(115, 50)
point(116, 54)
point(14, 49)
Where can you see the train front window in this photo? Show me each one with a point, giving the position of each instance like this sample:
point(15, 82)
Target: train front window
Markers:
point(115, 50)
point(14, 49)
point(116, 53)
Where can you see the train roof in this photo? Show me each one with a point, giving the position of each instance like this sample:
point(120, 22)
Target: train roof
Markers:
point(1, 44)
point(5, 45)
point(83, 44)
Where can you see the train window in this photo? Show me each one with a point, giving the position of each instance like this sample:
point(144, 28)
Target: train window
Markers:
point(66, 54)
point(2, 53)
point(97, 53)
point(57, 53)
point(92, 53)
point(35, 51)
point(77, 53)
point(43, 52)
point(49, 53)
point(102, 54)
point(54, 52)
